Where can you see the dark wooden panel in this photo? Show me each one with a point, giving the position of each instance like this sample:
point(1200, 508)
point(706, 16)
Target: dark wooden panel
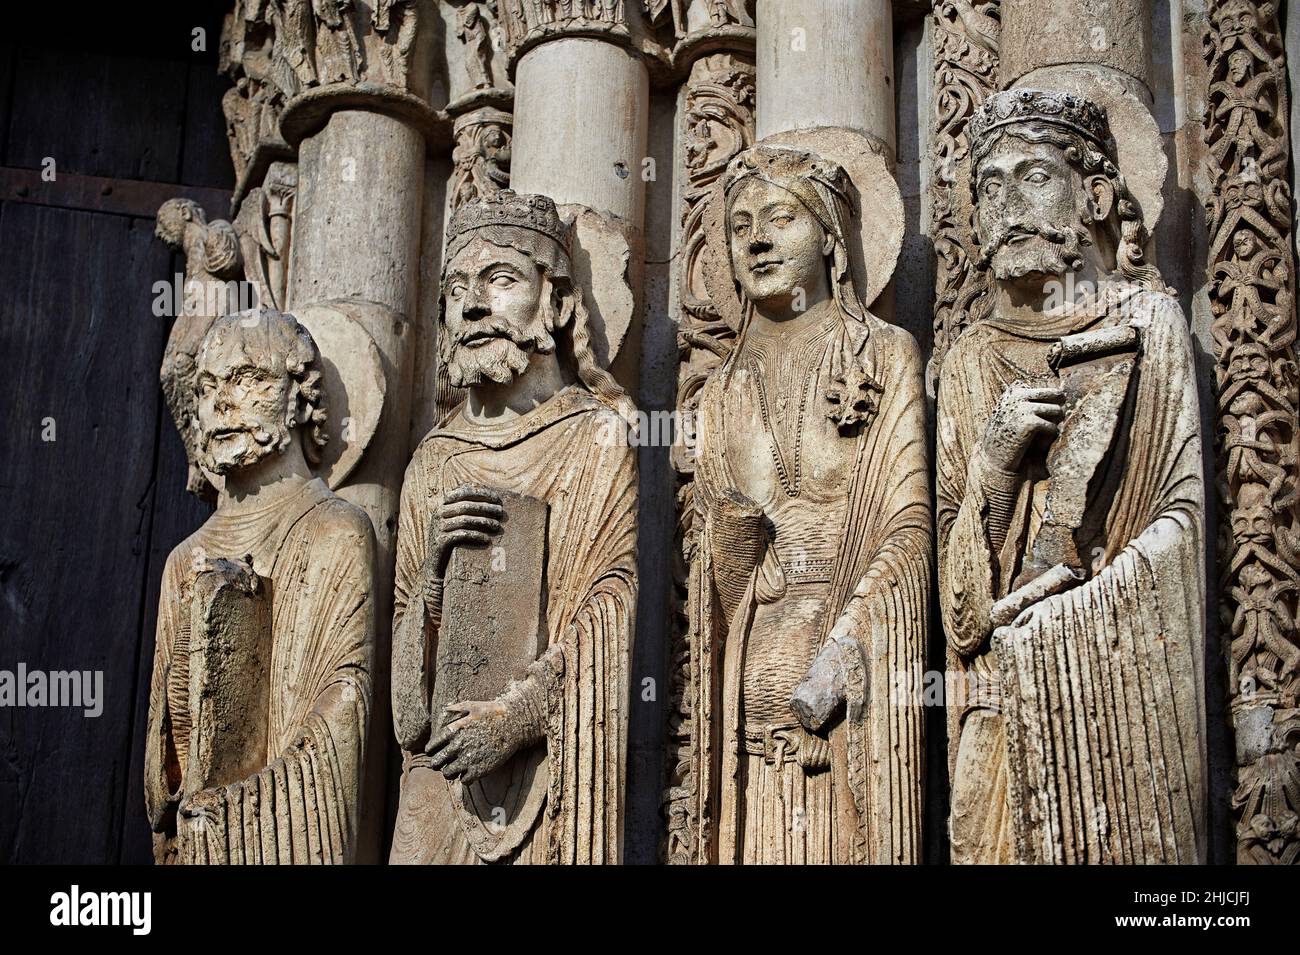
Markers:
point(98, 115)
point(205, 155)
point(82, 347)
point(175, 516)
point(8, 54)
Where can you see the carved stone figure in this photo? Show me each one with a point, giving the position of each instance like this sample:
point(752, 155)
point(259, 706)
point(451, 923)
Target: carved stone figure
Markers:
point(261, 687)
point(212, 263)
point(1070, 514)
point(396, 22)
point(472, 30)
point(516, 580)
point(339, 53)
point(1252, 295)
point(481, 157)
point(264, 226)
point(809, 588)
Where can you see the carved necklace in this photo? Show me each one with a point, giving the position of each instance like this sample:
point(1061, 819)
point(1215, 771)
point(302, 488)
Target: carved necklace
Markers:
point(792, 360)
point(788, 483)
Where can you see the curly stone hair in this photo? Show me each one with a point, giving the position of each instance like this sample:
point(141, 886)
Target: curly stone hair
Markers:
point(272, 339)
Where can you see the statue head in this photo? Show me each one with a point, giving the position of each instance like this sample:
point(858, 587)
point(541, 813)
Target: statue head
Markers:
point(786, 214)
point(1045, 184)
point(1254, 517)
point(258, 384)
point(174, 216)
point(508, 295)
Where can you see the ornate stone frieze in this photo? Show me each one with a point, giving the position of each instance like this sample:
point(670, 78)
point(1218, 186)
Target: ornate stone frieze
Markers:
point(965, 40)
point(1252, 294)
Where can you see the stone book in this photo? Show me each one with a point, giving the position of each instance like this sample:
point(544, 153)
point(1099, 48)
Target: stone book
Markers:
point(230, 676)
point(494, 608)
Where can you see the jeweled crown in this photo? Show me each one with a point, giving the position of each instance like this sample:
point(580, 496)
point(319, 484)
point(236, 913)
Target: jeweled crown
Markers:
point(510, 209)
point(1045, 106)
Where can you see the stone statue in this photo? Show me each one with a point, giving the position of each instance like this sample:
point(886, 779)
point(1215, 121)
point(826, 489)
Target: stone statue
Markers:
point(1070, 514)
point(472, 31)
point(810, 584)
point(396, 22)
point(261, 687)
point(339, 52)
point(212, 264)
point(516, 580)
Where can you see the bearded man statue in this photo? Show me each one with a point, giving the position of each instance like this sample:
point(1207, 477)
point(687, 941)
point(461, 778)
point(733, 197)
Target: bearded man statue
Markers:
point(516, 579)
point(261, 689)
point(1071, 514)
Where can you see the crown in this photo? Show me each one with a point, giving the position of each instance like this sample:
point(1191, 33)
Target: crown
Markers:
point(512, 210)
point(1043, 106)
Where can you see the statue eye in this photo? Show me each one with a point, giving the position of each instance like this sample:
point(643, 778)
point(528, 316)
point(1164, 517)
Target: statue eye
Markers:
point(740, 228)
point(782, 219)
point(456, 291)
point(503, 280)
point(1038, 177)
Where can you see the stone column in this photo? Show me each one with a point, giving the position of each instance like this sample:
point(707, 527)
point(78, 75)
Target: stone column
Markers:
point(582, 109)
point(826, 63)
point(357, 235)
point(361, 129)
point(582, 92)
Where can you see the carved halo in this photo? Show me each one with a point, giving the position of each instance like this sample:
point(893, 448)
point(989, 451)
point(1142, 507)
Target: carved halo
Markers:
point(353, 379)
point(873, 245)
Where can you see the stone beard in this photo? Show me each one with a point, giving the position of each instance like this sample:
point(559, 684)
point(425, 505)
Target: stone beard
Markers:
point(1070, 516)
point(295, 563)
point(809, 588)
point(534, 774)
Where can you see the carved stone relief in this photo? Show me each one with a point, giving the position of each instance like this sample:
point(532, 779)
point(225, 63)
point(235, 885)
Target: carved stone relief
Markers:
point(965, 38)
point(261, 688)
point(1252, 294)
point(1070, 514)
point(512, 722)
point(809, 583)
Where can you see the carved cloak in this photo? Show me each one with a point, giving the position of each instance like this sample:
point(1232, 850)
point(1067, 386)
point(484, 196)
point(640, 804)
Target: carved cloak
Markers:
point(317, 551)
point(881, 580)
point(1101, 686)
point(573, 453)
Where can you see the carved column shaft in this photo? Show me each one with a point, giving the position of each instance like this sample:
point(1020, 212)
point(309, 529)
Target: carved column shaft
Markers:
point(826, 63)
point(1251, 272)
point(581, 109)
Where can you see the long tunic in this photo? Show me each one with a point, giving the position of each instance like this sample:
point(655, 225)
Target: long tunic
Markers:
point(1082, 737)
point(852, 541)
point(317, 552)
point(571, 452)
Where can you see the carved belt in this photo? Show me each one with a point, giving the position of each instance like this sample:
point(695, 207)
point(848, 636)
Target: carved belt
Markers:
point(808, 571)
point(788, 743)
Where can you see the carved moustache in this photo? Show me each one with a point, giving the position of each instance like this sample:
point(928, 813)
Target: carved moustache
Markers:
point(1068, 238)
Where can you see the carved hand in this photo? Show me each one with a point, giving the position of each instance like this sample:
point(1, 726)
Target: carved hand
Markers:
point(821, 693)
point(1023, 414)
point(478, 738)
point(470, 516)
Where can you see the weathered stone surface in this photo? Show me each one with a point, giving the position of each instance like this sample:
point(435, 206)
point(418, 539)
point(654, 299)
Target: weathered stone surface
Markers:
point(535, 466)
point(806, 603)
point(261, 689)
point(1071, 514)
